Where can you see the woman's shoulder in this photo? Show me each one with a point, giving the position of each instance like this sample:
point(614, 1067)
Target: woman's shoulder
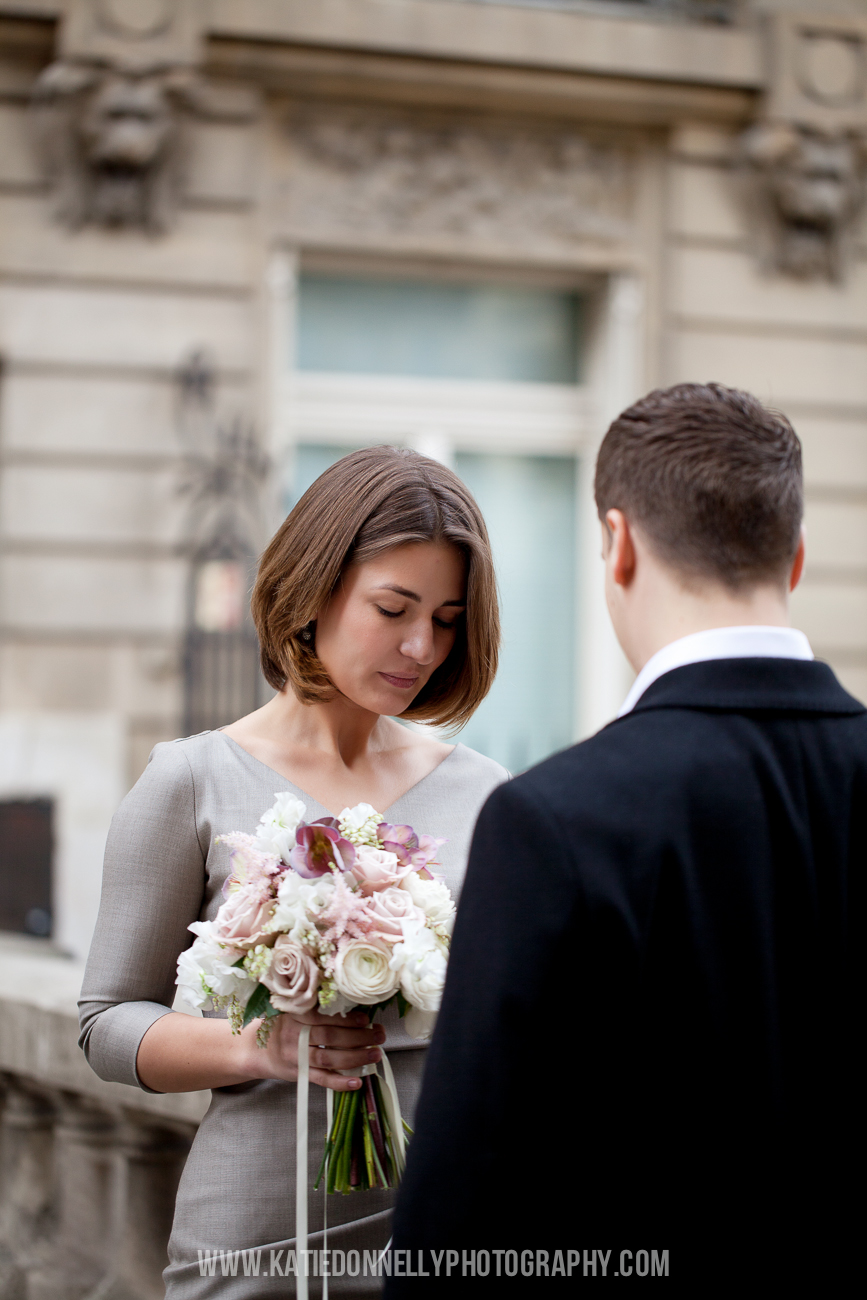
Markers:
point(177, 763)
point(467, 766)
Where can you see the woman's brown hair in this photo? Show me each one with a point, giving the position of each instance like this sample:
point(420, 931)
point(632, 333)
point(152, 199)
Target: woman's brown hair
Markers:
point(367, 503)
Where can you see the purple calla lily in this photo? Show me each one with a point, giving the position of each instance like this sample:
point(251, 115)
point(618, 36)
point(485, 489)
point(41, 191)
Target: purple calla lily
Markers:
point(409, 848)
point(319, 848)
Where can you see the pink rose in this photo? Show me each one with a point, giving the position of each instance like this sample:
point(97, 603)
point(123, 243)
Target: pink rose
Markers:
point(242, 918)
point(388, 907)
point(292, 978)
point(377, 869)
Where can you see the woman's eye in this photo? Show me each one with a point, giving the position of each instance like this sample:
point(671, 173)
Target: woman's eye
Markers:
point(449, 625)
point(390, 613)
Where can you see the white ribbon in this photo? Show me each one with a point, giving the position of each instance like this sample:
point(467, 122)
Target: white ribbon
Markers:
point(301, 1163)
point(395, 1120)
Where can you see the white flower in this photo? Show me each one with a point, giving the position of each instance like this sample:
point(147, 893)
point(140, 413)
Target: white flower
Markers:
point(419, 1024)
point(420, 961)
point(299, 902)
point(332, 1003)
point(434, 899)
point(363, 973)
point(276, 830)
point(358, 824)
point(206, 970)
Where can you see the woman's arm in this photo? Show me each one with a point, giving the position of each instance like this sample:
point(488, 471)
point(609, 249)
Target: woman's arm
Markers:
point(153, 887)
point(182, 1053)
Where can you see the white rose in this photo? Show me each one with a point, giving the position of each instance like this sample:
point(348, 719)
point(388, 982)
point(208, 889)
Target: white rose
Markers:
point(420, 962)
point(206, 970)
point(362, 971)
point(276, 830)
point(434, 899)
point(299, 902)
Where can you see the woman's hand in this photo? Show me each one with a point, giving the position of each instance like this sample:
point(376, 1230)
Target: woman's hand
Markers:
point(184, 1053)
point(336, 1043)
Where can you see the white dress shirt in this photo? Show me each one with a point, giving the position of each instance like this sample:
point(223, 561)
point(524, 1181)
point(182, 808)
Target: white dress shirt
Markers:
point(752, 642)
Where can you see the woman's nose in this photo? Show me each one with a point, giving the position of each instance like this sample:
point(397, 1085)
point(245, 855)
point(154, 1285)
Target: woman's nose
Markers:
point(418, 644)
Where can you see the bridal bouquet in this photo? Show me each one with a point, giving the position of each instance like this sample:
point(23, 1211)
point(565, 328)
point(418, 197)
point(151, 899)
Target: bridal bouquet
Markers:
point(334, 914)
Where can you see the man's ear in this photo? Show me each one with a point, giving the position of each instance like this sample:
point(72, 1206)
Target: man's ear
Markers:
point(798, 562)
point(620, 554)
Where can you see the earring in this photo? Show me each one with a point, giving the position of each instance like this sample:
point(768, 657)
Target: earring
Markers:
point(306, 634)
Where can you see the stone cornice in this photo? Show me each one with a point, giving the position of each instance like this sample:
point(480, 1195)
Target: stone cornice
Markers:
point(492, 34)
point(485, 34)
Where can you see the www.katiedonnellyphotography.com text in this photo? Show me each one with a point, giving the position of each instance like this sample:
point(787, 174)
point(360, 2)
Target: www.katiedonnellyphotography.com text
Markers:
point(433, 1263)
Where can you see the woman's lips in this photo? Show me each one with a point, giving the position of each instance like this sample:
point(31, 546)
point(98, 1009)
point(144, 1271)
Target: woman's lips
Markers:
point(402, 683)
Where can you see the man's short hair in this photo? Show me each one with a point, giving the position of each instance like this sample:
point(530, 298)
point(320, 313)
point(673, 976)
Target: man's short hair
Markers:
point(712, 478)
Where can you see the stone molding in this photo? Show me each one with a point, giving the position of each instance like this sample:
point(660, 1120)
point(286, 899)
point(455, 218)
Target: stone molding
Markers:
point(642, 47)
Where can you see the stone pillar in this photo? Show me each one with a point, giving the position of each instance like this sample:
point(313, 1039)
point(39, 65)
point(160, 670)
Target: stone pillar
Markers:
point(84, 1179)
point(26, 1211)
point(151, 1159)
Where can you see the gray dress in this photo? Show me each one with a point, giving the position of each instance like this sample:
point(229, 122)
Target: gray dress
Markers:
point(163, 871)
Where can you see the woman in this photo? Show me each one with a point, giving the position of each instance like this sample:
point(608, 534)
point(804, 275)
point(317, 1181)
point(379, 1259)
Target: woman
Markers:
point(375, 599)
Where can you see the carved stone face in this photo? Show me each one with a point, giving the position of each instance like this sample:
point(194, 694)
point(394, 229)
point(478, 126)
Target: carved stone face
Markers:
point(818, 183)
point(126, 126)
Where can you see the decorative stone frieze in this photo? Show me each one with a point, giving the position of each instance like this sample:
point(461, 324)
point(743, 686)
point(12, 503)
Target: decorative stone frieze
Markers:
point(806, 159)
point(420, 182)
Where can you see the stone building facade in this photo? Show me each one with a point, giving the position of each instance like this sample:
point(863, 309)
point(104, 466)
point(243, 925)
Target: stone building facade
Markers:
point(187, 189)
point(170, 173)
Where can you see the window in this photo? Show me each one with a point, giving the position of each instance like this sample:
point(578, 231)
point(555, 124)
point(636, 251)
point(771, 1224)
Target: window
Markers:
point(485, 377)
point(438, 331)
point(26, 846)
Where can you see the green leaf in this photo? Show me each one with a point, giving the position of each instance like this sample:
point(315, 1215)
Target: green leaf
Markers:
point(402, 1004)
point(380, 1006)
point(259, 1004)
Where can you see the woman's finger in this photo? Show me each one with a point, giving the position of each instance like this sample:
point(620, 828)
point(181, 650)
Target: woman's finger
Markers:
point(333, 1059)
point(336, 1082)
point(346, 1039)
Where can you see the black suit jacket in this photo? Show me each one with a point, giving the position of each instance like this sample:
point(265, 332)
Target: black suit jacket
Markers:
point(646, 1032)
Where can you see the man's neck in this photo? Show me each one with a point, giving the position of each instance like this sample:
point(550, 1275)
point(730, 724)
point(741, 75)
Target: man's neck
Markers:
point(666, 610)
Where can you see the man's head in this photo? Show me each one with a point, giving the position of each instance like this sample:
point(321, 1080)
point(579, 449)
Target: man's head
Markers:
point(706, 484)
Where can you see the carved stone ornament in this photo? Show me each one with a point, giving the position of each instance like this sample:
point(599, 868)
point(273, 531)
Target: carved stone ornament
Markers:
point(110, 142)
point(429, 183)
point(807, 158)
point(133, 35)
point(109, 114)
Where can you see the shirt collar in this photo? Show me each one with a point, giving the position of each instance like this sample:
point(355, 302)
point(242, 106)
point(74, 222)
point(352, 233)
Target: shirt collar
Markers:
point(751, 642)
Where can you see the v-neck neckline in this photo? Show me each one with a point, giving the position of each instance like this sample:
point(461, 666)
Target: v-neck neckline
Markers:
point(312, 799)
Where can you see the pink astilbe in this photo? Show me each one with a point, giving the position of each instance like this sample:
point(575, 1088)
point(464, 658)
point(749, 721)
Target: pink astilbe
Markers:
point(346, 916)
point(250, 866)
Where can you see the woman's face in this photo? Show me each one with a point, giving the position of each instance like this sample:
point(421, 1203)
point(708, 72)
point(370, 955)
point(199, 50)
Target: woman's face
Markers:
point(391, 623)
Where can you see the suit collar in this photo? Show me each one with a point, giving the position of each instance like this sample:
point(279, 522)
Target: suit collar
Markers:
point(749, 685)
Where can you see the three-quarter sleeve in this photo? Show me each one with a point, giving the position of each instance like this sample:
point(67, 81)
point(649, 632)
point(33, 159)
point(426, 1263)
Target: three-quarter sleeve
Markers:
point(152, 889)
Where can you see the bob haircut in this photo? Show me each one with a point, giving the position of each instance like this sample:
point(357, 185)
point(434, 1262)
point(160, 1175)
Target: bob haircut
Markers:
point(367, 503)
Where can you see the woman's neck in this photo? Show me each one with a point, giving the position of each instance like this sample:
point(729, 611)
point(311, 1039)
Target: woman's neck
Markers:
point(337, 729)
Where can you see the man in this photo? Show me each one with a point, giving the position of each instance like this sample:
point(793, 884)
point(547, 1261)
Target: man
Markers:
point(641, 1063)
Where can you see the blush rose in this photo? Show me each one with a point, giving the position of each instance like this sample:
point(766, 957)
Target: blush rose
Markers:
point(292, 978)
